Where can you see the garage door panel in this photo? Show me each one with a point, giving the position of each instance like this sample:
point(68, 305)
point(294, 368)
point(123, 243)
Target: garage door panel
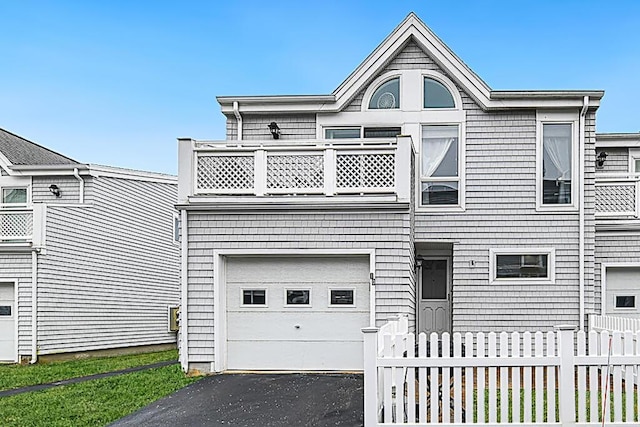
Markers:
point(282, 326)
point(264, 332)
point(297, 269)
point(318, 356)
point(623, 283)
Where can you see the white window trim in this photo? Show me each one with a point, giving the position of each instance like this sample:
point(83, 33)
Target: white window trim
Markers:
point(352, 289)
point(634, 154)
point(15, 205)
point(553, 117)
point(461, 179)
point(266, 300)
point(326, 128)
point(286, 305)
point(373, 87)
point(455, 93)
point(551, 266)
point(625, 309)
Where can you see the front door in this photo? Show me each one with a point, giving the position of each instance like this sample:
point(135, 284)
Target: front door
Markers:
point(434, 307)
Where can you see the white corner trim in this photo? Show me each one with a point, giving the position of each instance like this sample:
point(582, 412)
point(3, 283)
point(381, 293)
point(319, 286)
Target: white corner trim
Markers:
point(551, 265)
point(219, 289)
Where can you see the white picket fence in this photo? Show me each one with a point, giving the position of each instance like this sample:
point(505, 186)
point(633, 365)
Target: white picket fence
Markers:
point(613, 323)
point(522, 379)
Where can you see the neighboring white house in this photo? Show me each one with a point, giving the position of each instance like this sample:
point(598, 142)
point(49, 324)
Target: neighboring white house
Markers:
point(413, 189)
point(88, 255)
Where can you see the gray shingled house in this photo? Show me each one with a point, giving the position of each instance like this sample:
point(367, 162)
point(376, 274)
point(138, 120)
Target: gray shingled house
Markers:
point(415, 189)
point(88, 255)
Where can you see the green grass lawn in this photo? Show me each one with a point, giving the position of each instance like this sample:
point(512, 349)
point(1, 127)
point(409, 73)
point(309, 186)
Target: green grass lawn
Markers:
point(89, 403)
point(14, 376)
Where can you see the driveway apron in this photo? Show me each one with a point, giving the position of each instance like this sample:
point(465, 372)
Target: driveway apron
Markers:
point(258, 400)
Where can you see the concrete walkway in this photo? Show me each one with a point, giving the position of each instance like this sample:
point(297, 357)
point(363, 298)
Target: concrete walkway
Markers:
point(37, 387)
point(258, 400)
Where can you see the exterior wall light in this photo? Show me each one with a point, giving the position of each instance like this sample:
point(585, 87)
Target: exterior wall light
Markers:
point(602, 157)
point(55, 190)
point(274, 129)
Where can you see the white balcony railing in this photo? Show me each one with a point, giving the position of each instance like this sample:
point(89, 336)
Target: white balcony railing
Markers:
point(275, 168)
point(617, 195)
point(16, 225)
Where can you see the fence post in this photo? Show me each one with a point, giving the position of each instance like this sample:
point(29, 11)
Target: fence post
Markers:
point(370, 376)
point(566, 386)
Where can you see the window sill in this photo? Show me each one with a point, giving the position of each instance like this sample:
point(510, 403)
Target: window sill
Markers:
point(439, 209)
point(523, 281)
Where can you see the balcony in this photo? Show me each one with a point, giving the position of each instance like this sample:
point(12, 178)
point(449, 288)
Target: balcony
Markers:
point(617, 195)
point(22, 226)
point(317, 170)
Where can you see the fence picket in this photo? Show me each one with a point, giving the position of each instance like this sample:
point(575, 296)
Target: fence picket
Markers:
point(398, 350)
point(468, 379)
point(582, 378)
point(411, 380)
point(527, 401)
point(457, 380)
point(605, 379)
point(388, 384)
point(504, 379)
point(628, 378)
point(551, 378)
point(480, 373)
point(539, 382)
point(446, 380)
point(593, 379)
point(637, 372)
point(515, 378)
point(422, 379)
point(434, 380)
point(617, 378)
point(493, 387)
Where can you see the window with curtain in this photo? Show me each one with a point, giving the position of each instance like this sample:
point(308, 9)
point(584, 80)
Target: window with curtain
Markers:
point(14, 196)
point(440, 177)
point(556, 163)
point(387, 96)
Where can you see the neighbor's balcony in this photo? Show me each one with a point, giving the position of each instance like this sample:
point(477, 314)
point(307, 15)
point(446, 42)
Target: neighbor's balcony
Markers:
point(316, 170)
point(617, 195)
point(21, 225)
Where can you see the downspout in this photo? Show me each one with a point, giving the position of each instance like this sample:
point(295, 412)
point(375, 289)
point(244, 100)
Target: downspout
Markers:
point(581, 218)
point(184, 263)
point(81, 181)
point(236, 112)
point(34, 306)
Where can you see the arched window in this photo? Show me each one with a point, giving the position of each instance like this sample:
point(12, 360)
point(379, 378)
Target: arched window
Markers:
point(387, 95)
point(436, 95)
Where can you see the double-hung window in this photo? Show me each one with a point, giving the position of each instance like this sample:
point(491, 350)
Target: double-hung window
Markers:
point(440, 165)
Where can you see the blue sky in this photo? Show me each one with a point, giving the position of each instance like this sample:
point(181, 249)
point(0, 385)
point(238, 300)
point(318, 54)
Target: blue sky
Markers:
point(116, 82)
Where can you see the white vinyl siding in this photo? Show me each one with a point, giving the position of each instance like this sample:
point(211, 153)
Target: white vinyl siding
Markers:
point(110, 270)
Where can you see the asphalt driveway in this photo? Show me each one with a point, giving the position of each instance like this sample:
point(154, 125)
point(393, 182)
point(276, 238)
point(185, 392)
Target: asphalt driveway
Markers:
point(258, 400)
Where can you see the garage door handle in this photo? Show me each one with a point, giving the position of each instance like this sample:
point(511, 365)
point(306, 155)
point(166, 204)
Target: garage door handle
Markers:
point(296, 326)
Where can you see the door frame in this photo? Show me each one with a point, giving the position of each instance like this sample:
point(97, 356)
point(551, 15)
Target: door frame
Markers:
point(14, 311)
point(448, 259)
point(219, 363)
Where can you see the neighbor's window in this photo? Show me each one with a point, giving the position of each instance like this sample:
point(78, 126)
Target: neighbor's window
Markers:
point(436, 95)
point(440, 177)
point(522, 266)
point(341, 297)
point(341, 133)
point(298, 297)
point(556, 163)
point(14, 196)
point(625, 301)
point(387, 96)
point(254, 297)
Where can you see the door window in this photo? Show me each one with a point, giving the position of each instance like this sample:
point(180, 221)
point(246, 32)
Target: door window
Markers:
point(434, 279)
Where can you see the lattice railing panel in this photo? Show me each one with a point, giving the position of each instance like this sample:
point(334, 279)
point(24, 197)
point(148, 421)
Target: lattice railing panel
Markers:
point(16, 225)
point(365, 171)
point(225, 172)
point(616, 197)
point(295, 171)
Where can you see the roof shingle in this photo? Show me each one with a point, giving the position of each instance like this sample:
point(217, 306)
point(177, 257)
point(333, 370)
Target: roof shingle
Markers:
point(20, 151)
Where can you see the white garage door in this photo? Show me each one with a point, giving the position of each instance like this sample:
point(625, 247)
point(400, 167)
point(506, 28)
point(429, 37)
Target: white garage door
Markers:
point(623, 291)
point(7, 323)
point(296, 313)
